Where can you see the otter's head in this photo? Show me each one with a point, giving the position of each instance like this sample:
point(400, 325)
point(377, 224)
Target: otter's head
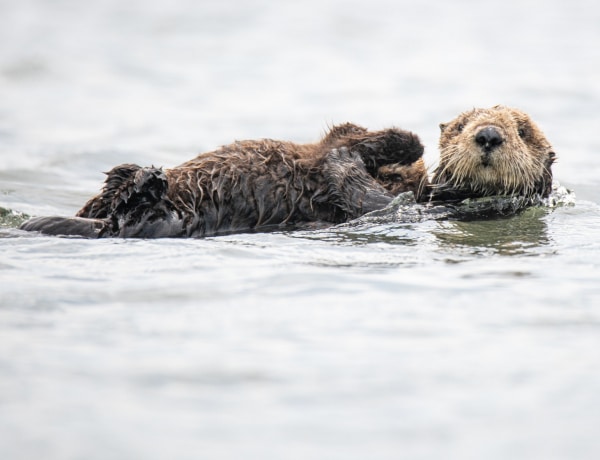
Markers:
point(497, 151)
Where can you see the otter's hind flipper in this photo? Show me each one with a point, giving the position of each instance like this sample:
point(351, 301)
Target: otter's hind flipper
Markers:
point(141, 190)
point(133, 203)
point(126, 186)
point(66, 226)
point(134, 200)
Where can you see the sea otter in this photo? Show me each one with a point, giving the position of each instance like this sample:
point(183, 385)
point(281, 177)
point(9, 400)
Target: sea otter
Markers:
point(252, 185)
point(257, 185)
point(489, 152)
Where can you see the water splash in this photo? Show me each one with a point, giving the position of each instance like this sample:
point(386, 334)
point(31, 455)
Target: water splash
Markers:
point(11, 219)
point(404, 208)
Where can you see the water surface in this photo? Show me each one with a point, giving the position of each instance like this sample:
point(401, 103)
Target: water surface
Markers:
point(379, 340)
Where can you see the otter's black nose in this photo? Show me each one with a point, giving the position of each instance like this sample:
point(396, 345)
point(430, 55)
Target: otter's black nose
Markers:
point(489, 138)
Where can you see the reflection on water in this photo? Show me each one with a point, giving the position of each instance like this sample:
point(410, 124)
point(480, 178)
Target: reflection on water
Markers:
point(360, 234)
point(523, 234)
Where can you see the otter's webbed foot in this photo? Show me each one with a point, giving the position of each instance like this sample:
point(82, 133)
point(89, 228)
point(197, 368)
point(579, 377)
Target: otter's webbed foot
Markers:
point(142, 189)
point(134, 203)
point(388, 147)
point(127, 187)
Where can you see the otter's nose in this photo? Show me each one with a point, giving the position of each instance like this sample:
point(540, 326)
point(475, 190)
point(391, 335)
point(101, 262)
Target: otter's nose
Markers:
point(489, 138)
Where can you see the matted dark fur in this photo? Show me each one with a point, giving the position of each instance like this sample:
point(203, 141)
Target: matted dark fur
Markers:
point(252, 185)
point(489, 152)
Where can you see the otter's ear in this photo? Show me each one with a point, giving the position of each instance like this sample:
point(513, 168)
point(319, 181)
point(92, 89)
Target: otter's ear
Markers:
point(443, 126)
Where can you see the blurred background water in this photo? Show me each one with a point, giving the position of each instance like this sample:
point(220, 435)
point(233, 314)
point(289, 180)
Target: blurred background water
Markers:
point(419, 341)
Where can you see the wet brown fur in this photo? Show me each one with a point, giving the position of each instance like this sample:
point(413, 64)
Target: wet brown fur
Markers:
point(519, 165)
point(250, 185)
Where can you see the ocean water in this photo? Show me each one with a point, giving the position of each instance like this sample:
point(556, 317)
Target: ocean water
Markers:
point(374, 340)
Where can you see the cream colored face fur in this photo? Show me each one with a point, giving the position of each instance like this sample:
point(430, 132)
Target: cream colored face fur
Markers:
point(516, 160)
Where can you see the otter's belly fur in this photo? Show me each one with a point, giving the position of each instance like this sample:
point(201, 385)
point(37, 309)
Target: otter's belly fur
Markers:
point(252, 185)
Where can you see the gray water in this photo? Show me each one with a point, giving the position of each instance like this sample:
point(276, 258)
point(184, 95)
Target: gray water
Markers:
point(425, 340)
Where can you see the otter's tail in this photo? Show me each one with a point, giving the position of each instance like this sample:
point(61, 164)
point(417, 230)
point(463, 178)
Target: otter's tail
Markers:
point(66, 226)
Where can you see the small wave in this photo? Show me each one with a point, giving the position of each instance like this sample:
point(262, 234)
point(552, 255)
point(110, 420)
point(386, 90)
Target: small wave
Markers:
point(12, 219)
point(560, 196)
point(405, 209)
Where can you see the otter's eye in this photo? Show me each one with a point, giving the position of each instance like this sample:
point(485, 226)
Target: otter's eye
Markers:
point(522, 132)
point(460, 127)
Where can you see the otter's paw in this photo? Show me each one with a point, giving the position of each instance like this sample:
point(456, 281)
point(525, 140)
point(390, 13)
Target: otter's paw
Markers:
point(388, 147)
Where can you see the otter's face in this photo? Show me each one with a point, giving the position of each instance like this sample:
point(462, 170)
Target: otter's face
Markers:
point(497, 151)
